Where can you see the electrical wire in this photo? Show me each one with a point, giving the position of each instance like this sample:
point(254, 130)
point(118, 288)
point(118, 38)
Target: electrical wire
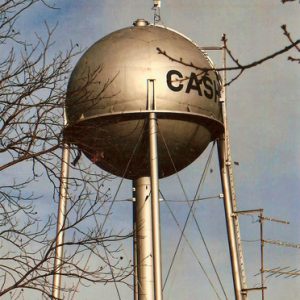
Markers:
point(108, 213)
point(195, 200)
point(107, 258)
point(124, 173)
point(191, 205)
point(172, 201)
point(191, 248)
point(197, 223)
point(210, 257)
point(191, 212)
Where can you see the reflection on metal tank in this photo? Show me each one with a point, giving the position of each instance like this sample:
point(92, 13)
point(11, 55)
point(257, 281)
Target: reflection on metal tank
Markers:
point(107, 109)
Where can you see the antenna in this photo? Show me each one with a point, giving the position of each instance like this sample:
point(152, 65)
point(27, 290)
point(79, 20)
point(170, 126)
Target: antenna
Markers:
point(156, 3)
point(287, 272)
point(156, 8)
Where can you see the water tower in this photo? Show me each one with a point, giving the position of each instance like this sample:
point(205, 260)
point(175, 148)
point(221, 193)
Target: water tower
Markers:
point(141, 115)
point(120, 79)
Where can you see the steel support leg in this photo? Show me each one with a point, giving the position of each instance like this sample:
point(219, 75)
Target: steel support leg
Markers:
point(60, 223)
point(229, 220)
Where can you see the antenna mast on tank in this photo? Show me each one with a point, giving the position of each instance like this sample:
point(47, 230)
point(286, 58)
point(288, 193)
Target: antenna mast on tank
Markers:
point(156, 8)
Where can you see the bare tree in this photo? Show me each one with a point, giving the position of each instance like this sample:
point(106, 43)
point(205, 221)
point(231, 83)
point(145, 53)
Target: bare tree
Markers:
point(32, 93)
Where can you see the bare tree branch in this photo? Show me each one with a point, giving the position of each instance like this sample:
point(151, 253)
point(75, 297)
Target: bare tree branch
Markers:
point(32, 96)
point(284, 1)
point(238, 66)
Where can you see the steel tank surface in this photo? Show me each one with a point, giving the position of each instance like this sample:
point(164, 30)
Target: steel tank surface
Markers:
point(107, 101)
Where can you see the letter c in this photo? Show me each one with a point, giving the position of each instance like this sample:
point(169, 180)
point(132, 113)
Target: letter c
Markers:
point(171, 82)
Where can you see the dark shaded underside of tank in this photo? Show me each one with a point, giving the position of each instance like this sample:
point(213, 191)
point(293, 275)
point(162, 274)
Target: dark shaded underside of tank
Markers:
point(120, 144)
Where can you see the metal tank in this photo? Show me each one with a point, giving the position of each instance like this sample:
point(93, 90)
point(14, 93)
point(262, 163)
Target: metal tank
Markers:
point(107, 102)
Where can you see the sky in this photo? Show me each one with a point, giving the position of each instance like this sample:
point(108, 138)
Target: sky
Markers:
point(263, 113)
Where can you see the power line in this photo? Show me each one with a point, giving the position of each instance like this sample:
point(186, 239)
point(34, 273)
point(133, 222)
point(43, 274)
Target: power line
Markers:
point(191, 248)
point(191, 212)
point(220, 196)
point(108, 213)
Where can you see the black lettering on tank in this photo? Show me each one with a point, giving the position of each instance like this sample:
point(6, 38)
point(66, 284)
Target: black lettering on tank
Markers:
point(173, 83)
point(217, 90)
point(194, 84)
point(208, 84)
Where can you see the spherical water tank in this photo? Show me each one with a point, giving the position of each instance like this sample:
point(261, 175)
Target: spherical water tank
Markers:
point(107, 100)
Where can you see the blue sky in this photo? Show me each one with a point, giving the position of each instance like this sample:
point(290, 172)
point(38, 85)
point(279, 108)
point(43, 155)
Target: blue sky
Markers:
point(264, 123)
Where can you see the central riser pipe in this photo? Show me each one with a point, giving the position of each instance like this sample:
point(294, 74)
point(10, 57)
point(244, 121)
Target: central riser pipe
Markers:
point(143, 239)
point(155, 206)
